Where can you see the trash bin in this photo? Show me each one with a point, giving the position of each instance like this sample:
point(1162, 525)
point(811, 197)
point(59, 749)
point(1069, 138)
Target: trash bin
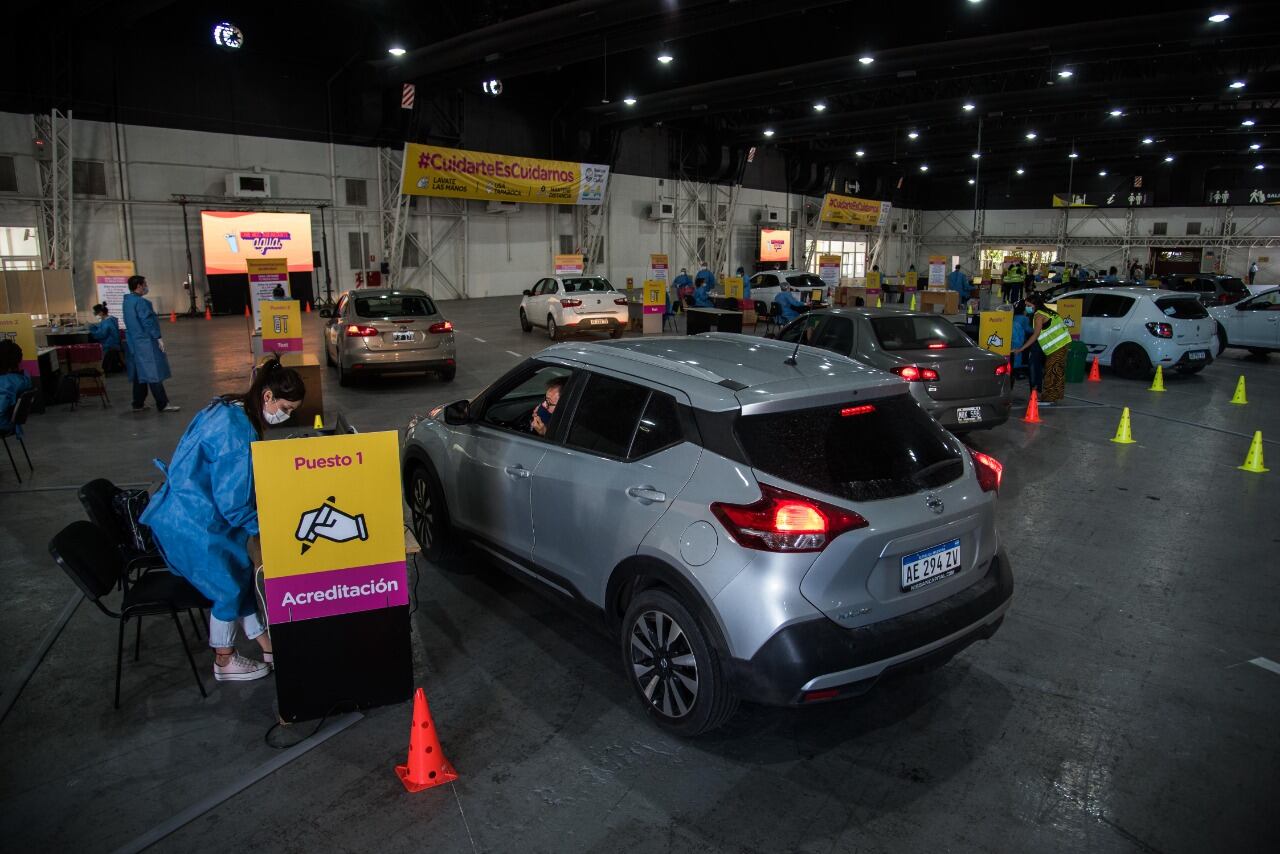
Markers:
point(1077, 361)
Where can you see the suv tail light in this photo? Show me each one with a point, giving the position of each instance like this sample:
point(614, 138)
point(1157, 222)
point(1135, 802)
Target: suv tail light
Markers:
point(1002, 369)
point(989, 471)
point(620, 301)
point(440, 328)
point(570, 303)
point(913, 374)
point(782, 521)
point(357, 331)
point(1160, 330)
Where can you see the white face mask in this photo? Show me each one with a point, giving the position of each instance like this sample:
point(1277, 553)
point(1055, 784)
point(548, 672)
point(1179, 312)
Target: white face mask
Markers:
point(277, 417)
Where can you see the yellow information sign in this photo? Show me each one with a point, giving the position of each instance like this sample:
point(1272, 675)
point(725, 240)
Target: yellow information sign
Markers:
point(17, 328)
point(655, 296)
point(852, 210)
point(433, 171)
point(568, 265)
point(995, 331)
point(112, 278)
point(911, 280)
point(1071, 310)
point(281, 326)
point(733, 287)
point(873, 282)
point(332, 525)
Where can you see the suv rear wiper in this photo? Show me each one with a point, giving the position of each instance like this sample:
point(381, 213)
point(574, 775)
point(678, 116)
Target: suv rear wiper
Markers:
point(920, 476)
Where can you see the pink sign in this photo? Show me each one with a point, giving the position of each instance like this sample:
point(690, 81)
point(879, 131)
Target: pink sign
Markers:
point(339, 591)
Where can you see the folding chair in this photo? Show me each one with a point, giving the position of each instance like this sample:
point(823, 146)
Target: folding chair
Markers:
point(17, 418)
point(86, 364)
point(762, 313)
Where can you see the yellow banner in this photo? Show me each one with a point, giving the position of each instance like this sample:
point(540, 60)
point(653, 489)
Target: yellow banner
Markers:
point(17, 328)
point(454, 173)
point(281, 326)
point(1071, 310)
point(854, 211)
point(995, 330)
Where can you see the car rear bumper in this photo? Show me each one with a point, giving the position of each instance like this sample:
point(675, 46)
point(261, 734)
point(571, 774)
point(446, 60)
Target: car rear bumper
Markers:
point(1186, 360)
point(400, 360)
point(994, 410)
point(584, 323)
point(818, 655)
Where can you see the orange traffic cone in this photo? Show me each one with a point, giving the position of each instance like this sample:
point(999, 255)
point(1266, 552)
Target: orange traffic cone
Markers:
point(427, 766)
point(208, 315)
point(173, 317)
point(1033, 409)
point(247, 313)
point(308, 308)
point(1095, 376)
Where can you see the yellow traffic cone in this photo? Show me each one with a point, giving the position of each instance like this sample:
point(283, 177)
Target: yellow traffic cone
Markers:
point(1239, 397)
point(1158, 383)
point(1253, 462)
point(319, 425)
point(913, 302)
point(878, 305)
point(1124, 435)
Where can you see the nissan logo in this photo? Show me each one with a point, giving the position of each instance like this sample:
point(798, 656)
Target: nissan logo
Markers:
point(934, 503)
point(969, 367)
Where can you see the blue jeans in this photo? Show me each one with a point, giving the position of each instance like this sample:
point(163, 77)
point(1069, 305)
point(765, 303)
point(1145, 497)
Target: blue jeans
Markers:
point(1035, 363)
point(222, 633)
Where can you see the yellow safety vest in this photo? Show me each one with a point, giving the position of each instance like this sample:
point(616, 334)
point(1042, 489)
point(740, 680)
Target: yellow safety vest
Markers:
point(1054, 335)
point(1015, 275)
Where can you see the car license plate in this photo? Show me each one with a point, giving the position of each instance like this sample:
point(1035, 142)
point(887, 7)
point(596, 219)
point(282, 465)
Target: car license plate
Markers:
point(406, 335)
point(969, 414)
point(598, 320)
point(934, 563)
point(1196, 354)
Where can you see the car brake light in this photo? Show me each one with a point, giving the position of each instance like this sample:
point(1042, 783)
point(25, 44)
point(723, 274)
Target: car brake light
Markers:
point(1002, 369)
point(571, 303)
point(620, 301)
point(912, 374)
point(1160, 330)
point(441, 327)
point(357, 331)
point(782, 521)
point(864, 409)
point(989, 471)
point(937, 346)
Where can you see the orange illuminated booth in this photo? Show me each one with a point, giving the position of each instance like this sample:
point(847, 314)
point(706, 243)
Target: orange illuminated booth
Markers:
point(231, 238)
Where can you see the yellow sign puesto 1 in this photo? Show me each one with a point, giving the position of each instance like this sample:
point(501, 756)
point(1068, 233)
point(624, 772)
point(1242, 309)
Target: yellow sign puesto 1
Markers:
point(995, 331)
point(331, 523)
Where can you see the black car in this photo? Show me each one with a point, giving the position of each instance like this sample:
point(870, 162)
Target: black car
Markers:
point(1212, 290)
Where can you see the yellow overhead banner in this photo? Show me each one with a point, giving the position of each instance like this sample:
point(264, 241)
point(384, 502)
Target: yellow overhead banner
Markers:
point(854, 211)
point(995, 330)
point(457, 174)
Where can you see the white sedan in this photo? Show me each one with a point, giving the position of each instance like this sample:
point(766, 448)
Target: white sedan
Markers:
point(567, 304)
point(1252, 323)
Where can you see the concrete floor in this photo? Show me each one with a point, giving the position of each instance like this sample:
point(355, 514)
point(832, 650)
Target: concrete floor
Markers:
point(1115, 711)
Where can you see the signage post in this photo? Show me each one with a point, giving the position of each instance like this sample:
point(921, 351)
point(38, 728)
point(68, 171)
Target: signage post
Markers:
point(112, 280)
point(1071, 310)
point(995, 331)
point(17, 328)
point(281, 326)
point(568, 265)
point(264, 275)
point(655, 306)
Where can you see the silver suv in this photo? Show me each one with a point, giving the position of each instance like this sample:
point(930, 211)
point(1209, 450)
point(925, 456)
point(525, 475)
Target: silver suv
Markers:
point(750, 519)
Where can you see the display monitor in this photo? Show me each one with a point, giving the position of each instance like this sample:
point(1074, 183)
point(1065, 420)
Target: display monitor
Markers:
point(775, 245)
point(230, 237)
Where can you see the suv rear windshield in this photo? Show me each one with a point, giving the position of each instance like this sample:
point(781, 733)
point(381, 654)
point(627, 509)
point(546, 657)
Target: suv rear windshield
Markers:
point(1182, 309)
point(394, 305)
point(917, 333)
point(586, 285)
point(893, 449)
point(806, 281)
point(1232, 286)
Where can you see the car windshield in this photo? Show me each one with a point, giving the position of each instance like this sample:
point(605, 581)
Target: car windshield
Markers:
point(913, 332)
point(394, 305)
point(858, 451)
point(805, 281)
point(586, 285)
point(1181, 308)
point(1232, 286)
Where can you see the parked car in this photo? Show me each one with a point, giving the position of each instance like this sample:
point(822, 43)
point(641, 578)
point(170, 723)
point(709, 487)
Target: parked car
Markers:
point(568, 304)
point(1053, 292)
point(963, 386)
point(745, 524)
point(1134, 329)
point(1252, 323)
point(380, 330)
point(1212, 290)
point(765, 286)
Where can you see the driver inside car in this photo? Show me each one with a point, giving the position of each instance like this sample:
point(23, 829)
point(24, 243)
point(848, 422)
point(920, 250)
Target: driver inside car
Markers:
point(540, 419)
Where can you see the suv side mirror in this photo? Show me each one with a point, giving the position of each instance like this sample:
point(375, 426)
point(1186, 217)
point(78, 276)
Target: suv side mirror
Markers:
point(324, 312)
point(457, 413)
point(527, 292)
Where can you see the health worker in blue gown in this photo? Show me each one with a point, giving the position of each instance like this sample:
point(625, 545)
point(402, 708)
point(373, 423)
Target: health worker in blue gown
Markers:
point(789, 305)
point(147, 363)
point(107, 333)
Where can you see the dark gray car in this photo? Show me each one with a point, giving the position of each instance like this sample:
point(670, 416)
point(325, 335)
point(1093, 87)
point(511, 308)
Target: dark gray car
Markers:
point(963, 386)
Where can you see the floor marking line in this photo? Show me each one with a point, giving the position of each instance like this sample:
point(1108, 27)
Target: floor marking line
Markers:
point(181, 819)
point(1133, 411)
point(514, 353)
point(1266, 664)
point(28, 669)
point(454, 786)
point(481, 340)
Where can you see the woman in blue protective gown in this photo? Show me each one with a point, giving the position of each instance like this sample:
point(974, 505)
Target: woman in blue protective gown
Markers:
point(107, 333)
point(148, 365)
point(1021, 332)
point(203, 515)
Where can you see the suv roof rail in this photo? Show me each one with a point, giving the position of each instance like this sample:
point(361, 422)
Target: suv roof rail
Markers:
point(624, 352)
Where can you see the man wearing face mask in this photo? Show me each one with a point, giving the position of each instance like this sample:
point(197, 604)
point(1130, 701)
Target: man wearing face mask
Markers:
point(205, 513)
point(705, 277)
point(146, 361)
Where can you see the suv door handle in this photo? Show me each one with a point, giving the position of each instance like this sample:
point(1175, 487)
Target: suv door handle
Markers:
point(517, 471)
point(646, 494)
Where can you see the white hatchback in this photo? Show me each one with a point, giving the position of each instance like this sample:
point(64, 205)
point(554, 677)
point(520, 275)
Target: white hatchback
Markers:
point(1136, 329)
point(567, 304)
point(1252, 323)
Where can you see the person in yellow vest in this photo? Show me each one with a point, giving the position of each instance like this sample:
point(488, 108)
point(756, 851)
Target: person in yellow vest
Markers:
point(1013, 279)
point(1047, 344)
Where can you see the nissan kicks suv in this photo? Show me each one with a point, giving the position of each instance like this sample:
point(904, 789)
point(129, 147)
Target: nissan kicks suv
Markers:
point(748, 519)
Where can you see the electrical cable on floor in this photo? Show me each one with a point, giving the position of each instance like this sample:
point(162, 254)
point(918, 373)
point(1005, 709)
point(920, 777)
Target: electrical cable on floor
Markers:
point(417, 572)
point(266, 737)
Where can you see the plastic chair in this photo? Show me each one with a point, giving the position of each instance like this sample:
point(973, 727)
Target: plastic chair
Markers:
point(84, 552)
point(17, 418)
point(85, 361)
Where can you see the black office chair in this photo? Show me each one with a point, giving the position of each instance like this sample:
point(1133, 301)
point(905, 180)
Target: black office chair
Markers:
point(762, 312)
point(17, 418)
point(85, 553)
point(774, 318)
point(98, 499)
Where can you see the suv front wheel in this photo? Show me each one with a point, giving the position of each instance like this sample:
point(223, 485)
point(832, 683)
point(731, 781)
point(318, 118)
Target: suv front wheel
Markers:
point(430, 516)
point(673, 666)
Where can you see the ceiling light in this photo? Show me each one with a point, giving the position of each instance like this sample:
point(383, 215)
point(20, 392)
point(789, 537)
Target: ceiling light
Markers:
point(1247, 123)
point(1031, 134)
point(1073, 155)
point(665, 58)
point(913, 134)
point(969, 108)
point(1117, 112)
point(975, 1)
point(1065, 73)
point(1218, 17)
point(396, 51)
point(1102, 174)
point(819, 107)
point(228, 35)
point(975, 155)
point(1260, 166)
point(629, 101)
point(866, 60)
point(924, 167)
point(768, 131)
point(1146, 140)
point(859, 153)
point(1168, 158)
point(1020, 170)
point(1236, 84)
point(971, 181)
point(1254, 146)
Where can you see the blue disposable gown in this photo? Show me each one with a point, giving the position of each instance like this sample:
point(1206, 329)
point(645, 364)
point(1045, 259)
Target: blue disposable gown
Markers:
point(702, 296)
point(11, 385)
point(746, 285)
point(959, 283)
point(107, 333)
point(788, 305)
point(146, 363)
point(707, 276)
point(1021, 332)
point(205, 512)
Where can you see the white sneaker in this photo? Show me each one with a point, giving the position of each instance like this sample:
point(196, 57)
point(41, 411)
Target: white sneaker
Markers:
point(240, 669)
point(172, 408)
